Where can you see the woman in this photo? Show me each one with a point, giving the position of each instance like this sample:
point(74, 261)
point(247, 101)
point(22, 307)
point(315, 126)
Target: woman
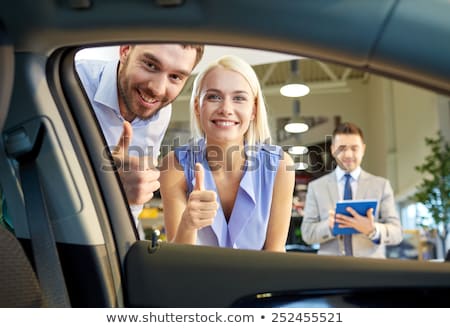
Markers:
point(227, 187)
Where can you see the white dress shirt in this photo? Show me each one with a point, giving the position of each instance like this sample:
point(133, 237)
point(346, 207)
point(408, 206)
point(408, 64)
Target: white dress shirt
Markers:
point(340, 176)
point(99, 79)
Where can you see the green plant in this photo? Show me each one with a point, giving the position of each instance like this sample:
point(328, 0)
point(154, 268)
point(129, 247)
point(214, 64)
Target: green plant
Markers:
point(434, 190)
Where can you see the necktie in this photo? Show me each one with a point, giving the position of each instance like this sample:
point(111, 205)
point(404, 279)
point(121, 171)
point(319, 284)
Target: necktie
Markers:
point(348, 195)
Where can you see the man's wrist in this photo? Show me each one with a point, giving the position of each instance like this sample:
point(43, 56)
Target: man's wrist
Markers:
point(373, 234)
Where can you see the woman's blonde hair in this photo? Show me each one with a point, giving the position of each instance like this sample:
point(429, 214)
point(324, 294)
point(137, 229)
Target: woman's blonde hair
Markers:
point(258, 131)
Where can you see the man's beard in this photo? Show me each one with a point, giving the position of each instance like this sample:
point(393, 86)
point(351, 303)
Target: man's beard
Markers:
point(124, 86)
point(127, 101)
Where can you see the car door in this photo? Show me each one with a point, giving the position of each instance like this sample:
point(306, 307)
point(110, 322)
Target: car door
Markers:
point(6, 72)
point(103, 263)
point(51, 194)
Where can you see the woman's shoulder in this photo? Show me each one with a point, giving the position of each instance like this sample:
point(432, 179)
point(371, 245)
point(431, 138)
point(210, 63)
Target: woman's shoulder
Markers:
point(276, 154)
point(270, 150)
point(192, 149)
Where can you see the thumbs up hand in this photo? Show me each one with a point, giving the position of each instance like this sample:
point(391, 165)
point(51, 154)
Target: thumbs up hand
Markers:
point(137, 174)
point(202, 206)
point(199, 177)
point(125, 138)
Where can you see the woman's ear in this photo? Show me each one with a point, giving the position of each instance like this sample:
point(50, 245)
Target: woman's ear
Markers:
point(253, 116)
point(254, 109)
point(197, 107)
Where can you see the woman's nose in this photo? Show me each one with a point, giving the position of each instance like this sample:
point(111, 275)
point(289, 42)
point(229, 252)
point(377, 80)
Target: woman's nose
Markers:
point(226, 107)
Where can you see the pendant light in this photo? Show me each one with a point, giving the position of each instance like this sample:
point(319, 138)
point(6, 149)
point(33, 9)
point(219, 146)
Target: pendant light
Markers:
point(296, 125)
point(294, 87)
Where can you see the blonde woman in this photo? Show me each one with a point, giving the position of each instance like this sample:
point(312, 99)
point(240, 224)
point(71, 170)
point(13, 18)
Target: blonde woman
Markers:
point(228, 187)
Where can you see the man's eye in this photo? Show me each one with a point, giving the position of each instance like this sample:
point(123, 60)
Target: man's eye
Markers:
point(150, 65)
point(176, 77)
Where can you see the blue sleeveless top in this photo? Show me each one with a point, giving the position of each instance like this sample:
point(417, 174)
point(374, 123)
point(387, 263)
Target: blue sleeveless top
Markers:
point(247, 226)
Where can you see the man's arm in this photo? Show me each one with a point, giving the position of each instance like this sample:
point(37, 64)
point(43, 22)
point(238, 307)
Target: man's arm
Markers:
point(315, 230)
point(138, 176)
point(389, 224)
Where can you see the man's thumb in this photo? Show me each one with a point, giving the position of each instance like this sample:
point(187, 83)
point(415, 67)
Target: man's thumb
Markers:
point(199, 177)
point(125, 139)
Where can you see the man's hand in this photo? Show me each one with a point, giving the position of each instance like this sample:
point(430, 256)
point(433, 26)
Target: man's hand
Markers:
point(331, 219)
point(202, 206)
point(138, 175)
point(363, 224)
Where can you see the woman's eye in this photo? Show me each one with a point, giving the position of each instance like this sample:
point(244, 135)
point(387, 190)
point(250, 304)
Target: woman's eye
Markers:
point(214, 97)
point(240, 98)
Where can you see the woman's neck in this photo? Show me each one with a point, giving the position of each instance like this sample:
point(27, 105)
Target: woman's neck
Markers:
point(226, 158)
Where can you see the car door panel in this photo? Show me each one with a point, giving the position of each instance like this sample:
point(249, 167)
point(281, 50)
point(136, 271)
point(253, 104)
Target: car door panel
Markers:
point(171, 275)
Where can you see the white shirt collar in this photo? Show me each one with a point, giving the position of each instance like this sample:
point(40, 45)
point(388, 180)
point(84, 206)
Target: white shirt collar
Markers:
point(340, 173)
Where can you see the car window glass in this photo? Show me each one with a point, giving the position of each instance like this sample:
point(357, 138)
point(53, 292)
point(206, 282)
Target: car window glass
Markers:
point(396, 119)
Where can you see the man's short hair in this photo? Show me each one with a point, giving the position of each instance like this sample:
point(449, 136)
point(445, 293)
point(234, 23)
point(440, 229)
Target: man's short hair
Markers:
point(348, 128)
point(200, 48)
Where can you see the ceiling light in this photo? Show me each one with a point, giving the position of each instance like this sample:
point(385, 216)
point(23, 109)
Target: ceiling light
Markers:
point(301, 166)
point(298, 150)
point(294, 90)
point(294, 87)
point(296, 127)
point(296, 124)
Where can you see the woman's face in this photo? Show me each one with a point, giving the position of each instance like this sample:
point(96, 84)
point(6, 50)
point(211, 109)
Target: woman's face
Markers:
point(226, 106)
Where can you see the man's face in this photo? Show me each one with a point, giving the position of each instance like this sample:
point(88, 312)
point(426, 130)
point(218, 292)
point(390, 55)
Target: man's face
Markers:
point(348, 150)
point(151, 77)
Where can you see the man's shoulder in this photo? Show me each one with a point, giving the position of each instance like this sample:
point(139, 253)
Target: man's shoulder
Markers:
point(90, 70)
point(324, 179)
point(375, 178)
point(90, 64)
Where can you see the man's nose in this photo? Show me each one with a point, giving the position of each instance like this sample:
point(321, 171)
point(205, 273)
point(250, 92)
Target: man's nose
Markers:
point(348, 152)
point(158, 85)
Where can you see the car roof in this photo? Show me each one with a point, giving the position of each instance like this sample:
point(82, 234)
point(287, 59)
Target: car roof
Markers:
point(395, 38)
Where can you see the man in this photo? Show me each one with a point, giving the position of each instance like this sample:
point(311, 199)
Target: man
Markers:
point(375, 229)
point(131, 99)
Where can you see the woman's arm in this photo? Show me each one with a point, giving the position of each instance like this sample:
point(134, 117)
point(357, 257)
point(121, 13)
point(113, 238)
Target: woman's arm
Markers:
point(280, 212)
point(184, 216)
point(173, 194)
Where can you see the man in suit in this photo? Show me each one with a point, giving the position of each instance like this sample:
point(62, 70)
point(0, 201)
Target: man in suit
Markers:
point(349, 181)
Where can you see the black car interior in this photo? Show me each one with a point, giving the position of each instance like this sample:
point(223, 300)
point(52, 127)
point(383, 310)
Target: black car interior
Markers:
point(75, 244)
